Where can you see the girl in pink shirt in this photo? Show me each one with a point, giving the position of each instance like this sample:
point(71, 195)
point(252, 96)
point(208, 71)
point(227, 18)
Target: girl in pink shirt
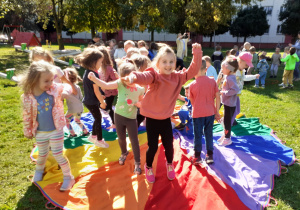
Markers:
point(164, 85)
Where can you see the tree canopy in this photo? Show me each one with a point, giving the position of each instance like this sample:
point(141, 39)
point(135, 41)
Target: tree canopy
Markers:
point(290, 17)
point(250, 21)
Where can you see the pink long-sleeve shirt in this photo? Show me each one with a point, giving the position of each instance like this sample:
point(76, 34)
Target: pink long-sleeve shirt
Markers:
point(160, 98)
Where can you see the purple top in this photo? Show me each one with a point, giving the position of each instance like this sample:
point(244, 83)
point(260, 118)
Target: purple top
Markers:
point(229, 91)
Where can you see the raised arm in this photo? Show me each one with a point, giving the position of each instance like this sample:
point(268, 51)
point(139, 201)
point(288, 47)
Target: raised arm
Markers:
point(195, 64)
point(102, 84)
point(181, 98)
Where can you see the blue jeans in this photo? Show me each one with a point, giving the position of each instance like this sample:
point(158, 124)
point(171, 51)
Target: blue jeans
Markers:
point(217, 65)
point(296, 72)
point(207, 123)
point(262, 78)
point(184, 116)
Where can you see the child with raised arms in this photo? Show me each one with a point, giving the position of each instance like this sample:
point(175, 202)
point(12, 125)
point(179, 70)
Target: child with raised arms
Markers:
point(43, 118)
point(91, 59)
point(125, 112)
point(74, 104)
point(164, 85)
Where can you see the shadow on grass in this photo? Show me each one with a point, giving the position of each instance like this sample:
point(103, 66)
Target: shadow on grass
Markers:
point(287, 185)
point(32, 199)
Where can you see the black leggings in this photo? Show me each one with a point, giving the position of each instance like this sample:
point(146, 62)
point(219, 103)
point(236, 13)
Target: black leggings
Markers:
point(95, 111)
point(109, 102)
point(139, 118)
point(155, 128)
point(228, 113)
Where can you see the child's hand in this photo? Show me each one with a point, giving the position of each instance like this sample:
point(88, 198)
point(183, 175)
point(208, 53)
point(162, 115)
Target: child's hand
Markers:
point(91, 76)
point(138, 104)
point(257, 76)
point(128, 80)
point(103, 105)
point(197, 49)
point(217, 116)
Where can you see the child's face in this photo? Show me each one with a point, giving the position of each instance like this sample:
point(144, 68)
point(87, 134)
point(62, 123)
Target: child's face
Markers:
point(45, 81)
point(166, 64)
point(187, 92)
point(98, 64)
point(242, 64)
point(277, 50)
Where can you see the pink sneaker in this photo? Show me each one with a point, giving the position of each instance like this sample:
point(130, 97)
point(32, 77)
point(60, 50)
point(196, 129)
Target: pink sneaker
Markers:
point(101, 143)
point(170, 171)
point(226, 142)
point(149, 174)
point(221, 138)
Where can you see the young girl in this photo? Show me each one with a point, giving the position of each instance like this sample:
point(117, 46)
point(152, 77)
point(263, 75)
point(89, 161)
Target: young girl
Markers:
point(125, 113)
point(107, 74)
point(142, 63)
point(120, 52)
point(229, 96)
point(159, 101)
point(43, 115)
point(275, 63)
point(75, 107)
point(38, 53)
point(91, 59)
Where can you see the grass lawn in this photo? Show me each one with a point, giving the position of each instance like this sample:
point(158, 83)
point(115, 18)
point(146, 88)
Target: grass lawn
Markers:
point(277, 108)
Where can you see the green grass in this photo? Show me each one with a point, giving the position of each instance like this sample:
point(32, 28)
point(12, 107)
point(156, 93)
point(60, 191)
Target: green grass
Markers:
point(275, 107)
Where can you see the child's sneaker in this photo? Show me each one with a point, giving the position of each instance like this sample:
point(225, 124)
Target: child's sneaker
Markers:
point(67, 184)
point(101, 143)
point(180, 127)
point(221, 139)
point(137, 169)
point(170, 171)
point(149, 174)
point(197, 161)
point(263, 86)
point(285, 87)
point(85, 134)
point(38, 176)
point(209, 159)
point(123, 158)
point(290, 86)
point(226, 142)
point(281, 85)
point(256, 86)
point(92, 138)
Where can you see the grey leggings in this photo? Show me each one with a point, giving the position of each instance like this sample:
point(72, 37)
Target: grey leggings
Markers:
point(123, 123)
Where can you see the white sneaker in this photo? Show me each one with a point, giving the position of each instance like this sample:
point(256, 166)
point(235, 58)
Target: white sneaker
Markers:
point(67, 184)
point(221, 139)
point(101, 143)
point(92, 139)
point(256, 86)
point(226, 142)
point(281, 85)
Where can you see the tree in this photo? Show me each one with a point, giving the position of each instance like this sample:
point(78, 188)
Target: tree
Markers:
point(220, 30)
point(251, 21)
point(93, 15)
point(290, 17)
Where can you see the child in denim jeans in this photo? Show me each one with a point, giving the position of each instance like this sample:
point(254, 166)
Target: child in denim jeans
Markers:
point(203, 92)
point(262, 67)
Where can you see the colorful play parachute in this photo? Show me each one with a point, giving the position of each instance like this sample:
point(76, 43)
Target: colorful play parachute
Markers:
point(242, 176)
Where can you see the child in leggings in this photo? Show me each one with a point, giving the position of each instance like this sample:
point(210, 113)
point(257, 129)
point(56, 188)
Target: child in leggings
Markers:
point(91, 59)
point(125, 112)
point(229, 96)
point(43, 116)
point(164, 85)
point(107, 73)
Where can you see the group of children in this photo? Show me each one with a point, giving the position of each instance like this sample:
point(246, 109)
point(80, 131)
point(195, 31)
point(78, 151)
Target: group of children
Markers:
point(146, 90)
point(260, 62)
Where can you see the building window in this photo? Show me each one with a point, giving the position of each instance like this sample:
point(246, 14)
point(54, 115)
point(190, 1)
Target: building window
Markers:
point(278, 29)
point(268, 10)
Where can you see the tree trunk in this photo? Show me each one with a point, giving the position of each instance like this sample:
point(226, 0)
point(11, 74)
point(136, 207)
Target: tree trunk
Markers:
point(93, 31)
point(72, 38)
point(245, 39)
point(210, 40)
point(152, 36)
point(58, 20)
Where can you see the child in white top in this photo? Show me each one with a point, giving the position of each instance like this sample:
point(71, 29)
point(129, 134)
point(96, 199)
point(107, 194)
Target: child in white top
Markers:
point(119, 52)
